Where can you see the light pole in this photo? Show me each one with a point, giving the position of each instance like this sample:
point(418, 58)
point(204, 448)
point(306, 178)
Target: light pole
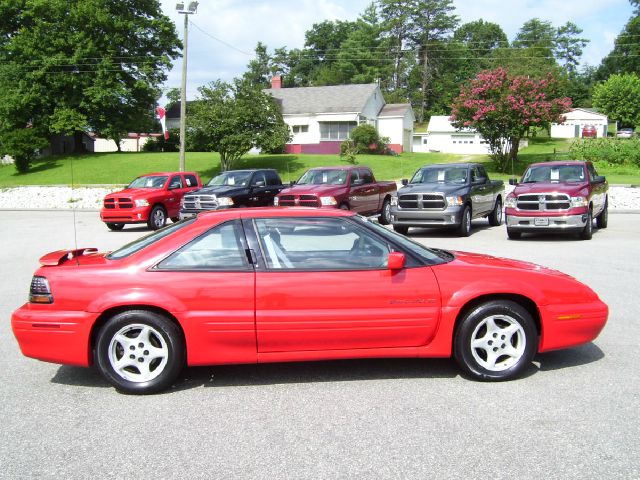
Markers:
point(191, 9)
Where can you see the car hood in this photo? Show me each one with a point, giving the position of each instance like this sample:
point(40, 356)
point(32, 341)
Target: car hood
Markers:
point(220, 190)
point(319, 190)
point(446, 188)
point(545, 187)
point(482, 260)
point(135, 193)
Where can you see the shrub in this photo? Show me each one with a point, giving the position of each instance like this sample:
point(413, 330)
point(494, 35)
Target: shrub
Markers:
point(23, 145)
point(367, 140)
point(348, 152)
point(610, 151)
point(159, 144)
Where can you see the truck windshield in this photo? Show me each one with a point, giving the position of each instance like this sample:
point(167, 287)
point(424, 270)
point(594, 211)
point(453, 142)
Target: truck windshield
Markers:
point(240, 179)
point(152, 181)
point(454, 175)
point(554, 174)
point(323, 177)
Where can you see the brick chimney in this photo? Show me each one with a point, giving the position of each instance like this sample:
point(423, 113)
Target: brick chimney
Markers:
point(276, 81)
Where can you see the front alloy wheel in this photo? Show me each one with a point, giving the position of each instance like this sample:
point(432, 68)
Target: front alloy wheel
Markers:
point(157, 218)
point(496, 341)
point(385, 214)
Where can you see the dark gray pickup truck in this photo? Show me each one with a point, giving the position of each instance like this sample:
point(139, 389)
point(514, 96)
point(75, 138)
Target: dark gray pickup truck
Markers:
point(447, 195)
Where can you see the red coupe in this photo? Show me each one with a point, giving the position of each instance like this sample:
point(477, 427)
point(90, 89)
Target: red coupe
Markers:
point(278, 284)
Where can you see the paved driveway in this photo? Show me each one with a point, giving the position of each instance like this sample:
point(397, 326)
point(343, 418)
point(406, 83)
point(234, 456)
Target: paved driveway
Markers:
point(574, 415)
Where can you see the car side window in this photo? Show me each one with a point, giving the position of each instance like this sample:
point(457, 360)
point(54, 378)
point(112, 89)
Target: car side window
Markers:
point(319, 244)
point(367, 176)
point(272, 178)
point(220, 248)
point(176, 182)
point(190, 181)
point(592, 172)
point(258, 180)
point(481, 172)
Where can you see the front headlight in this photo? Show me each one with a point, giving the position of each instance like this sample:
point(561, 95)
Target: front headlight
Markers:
point(225, 201)
point(453, 201)
point(579, 202)
point(325, 201)
point(511, 202)
point(276, 201)
point(394, 201)
point(142, 203)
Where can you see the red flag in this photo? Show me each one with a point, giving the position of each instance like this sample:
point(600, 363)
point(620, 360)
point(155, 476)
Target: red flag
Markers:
point(163, 121)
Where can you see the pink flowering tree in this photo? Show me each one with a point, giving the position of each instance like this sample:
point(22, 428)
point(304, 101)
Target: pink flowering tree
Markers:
point(502, 108)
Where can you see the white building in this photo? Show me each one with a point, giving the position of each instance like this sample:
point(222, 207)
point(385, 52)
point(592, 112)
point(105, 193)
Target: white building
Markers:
point(321, 118)
point(576, 120)
point(443, 137)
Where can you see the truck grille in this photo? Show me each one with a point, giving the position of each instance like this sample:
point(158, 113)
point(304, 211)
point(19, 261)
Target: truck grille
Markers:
point(200, 202)
point(428, 201)
point(298, 201)
point(123, 203)
point(541, 202)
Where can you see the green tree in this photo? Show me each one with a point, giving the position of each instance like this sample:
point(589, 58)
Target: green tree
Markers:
point(625, 56)
point(568, 46)
point(538, 34)
point(480, 37)
point(76, 65)
point(619, 98)
point(233, 118)
point(259, 68)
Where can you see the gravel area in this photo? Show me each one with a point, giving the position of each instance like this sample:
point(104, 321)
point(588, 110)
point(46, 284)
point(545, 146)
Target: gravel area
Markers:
point(90, 198)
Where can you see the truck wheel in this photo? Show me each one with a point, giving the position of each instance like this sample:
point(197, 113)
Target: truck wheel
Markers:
point(587, 231)
point(157, 218)
point(603, 219)
point(495, 217)
point(464, 230)
point(140, 352)
point(385, 214)
point(115, 226)
point(513, 235)
point(495, 341)
point(401, 229)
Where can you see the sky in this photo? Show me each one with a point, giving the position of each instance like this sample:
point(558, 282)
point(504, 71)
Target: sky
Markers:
point(223, 33)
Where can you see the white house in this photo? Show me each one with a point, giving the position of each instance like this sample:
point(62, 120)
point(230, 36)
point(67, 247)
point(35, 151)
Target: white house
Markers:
point(321, 118)
point(443, 137)
point(576, 120)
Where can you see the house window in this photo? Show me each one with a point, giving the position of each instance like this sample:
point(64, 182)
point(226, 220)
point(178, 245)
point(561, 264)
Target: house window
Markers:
point(424, 140)
point(336, 130)
point(300, 128)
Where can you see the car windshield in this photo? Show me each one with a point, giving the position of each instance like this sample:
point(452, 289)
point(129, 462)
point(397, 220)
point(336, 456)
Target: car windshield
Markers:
point(454, 175)
point(143, 242)
point(150, 181)
point(554, 174)
point(323, 177)
point(430, 256)
point(240, 179)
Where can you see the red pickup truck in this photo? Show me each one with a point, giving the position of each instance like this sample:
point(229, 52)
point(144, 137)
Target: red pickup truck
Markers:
point(149, 199)
point(557, 197)
point(348, 188)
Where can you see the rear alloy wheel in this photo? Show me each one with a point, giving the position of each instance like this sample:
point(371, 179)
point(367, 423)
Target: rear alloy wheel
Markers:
point(385, 214)
point(140, 352)
point(603, 219)
point(495, 341)
point(464, 230)
point(513, 235)
point(587, 231)
point(495, 217)
point(401, 229)
point(115, 226)
point(157, 218)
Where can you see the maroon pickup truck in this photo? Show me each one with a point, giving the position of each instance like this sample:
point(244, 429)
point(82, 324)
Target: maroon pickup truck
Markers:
point(557, 197)
point(349, 188)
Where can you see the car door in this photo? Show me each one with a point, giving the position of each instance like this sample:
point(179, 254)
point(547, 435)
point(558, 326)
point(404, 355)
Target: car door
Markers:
point(481, 196)
point(361, 192)
point(258, 187)
point(324, 285)
point(174, 195)
point(599, 190)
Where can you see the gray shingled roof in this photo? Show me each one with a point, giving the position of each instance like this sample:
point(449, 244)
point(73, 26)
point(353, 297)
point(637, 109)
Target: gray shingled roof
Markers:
point(394, 110)
point(330, 99)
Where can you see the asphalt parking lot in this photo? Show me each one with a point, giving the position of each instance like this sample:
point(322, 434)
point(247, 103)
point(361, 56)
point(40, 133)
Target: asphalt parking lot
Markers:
point(573, 415)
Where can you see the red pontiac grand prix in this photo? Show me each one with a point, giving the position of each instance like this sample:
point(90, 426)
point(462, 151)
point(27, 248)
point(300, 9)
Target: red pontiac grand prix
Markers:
point(278, 284)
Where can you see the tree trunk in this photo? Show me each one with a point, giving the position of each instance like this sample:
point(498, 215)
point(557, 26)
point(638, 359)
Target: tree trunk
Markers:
point(514, 143)
point(78, 145)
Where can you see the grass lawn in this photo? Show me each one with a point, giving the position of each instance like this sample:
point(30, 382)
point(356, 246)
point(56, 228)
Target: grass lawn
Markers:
point(121, 168)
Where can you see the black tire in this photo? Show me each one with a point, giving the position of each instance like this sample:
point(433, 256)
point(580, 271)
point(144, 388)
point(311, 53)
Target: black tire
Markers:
point(175, 219)
point(402, 229)
point(139, 335)
point(157, 218)
point(115, 226)
point(587, 231)
point(513, 235)
point(495, 341)
point(602, 220)
point(464, 229)
point(385, 213)
point(495, 217)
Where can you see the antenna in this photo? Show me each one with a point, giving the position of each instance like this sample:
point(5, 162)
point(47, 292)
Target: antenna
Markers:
point(75, 230)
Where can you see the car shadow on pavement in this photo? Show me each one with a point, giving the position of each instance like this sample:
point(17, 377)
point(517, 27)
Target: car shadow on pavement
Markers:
point(574, 357)
point(79, 377)
point(440, 232)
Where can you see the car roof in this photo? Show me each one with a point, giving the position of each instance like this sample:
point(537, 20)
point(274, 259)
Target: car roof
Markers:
point(453, 164)
point(248, 170)
point(217, 216)
point(560, 163)
point(165, 173)
point(339, 167)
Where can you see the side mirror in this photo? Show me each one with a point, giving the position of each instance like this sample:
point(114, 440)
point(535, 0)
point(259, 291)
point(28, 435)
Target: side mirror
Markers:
point(292, 183)
point(513, 181)
point(405, 182)
point(258, 184)
point(395, 261)
point(359, 181)
point(599, 179)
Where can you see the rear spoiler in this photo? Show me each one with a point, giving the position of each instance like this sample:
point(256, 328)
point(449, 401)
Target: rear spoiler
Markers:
point(60, 256)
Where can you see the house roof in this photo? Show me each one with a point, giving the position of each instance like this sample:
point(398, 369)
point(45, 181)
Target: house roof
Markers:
point(329, 99)
point(395, 110)
point(441, 124)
